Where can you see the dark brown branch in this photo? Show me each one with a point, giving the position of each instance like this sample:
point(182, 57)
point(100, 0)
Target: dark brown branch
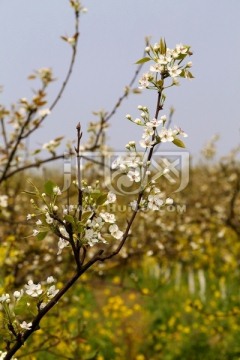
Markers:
point(36, 321)
point(38, 163)
point(14, 150)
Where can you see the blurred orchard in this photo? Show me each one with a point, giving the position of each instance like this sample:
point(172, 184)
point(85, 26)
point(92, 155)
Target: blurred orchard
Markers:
point(117, 256)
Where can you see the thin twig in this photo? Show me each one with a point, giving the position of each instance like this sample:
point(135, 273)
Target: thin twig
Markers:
point(14, 150)
point(80, 193)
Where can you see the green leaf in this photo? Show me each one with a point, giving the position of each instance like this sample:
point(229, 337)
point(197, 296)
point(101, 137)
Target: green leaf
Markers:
point(95, 195)
point(188, 74)
point(163, 47)
point(101, 199)
point(80, 227)
point(181, 56)
point(179, 143)
point(37, 151)
point(143, 60)
point(40, 236)
point(91, 356)
point(48, 187)
point(70, 219)
point(86, 215)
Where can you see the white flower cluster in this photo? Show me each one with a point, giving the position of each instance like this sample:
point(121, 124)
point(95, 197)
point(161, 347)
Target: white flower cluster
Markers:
point(132, 164)
point(78, 7)
point(47, 219)
point(33, 290)
point(62, 242)
point(52, 145)
point(45, 75)
point(43, 292)
point(154, 201)
point(167, 63)
point(151, 134)
point(94, 227)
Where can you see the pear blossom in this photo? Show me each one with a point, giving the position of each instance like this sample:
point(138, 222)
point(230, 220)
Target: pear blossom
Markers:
point(135, 206)
point(164, 59)
point(155, 201)
point(50, 280)
point(5, 298)
point(115, 232)
point(144, 81)
point(111, 198)
point(62, 243)
point(49, 219)
point(169, 201)
point(63, 231)
point(181, 132)
point(68, 209)
point(18, 294)
point(52, 291)
point(45, 75)
point(116, 163)
point(96, 223)
point(166, 135)
point(148, 131)
point(44, 112)
point(138, 121)
point(57, 190)
point(181, 49)
point(134, 175)
point(33, 290)
point(42, 305)
point(26, 326)
point(175, 81)
point(154, 123)
point(107, 217)
point(91, 236)
point(51, 145)
point(174, 71)
point(145, 143)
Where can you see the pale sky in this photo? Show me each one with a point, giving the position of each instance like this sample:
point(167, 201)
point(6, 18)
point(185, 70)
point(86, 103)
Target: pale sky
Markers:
point(111, 39)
